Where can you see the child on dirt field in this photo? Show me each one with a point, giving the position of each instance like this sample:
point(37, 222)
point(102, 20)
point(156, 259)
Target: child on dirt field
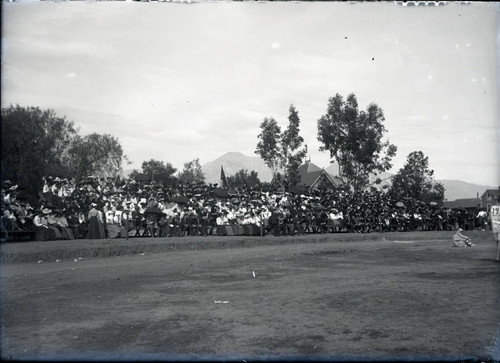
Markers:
point(460, 240)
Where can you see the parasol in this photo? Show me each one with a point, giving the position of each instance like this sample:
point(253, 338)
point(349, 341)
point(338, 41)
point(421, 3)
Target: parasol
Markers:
point(181, 199)
point(232, 192)
point(153, 210)
point(171, 205)
point(219, 192)
point(400, 204)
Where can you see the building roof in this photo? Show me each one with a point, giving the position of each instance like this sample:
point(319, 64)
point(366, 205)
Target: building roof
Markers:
point(495, 193)
point(311, 174)
point(334, 181)
point(309, 178)
point(308, 167)
point(466, 203)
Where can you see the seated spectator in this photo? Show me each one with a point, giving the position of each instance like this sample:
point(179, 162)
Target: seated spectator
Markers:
point(334, 220)
point(41, 227)
point(81, 225)
point(207, 221)
point(63, 226)
point(222, 222)
point(8, 220)
point(53, 225)
point(151, 224)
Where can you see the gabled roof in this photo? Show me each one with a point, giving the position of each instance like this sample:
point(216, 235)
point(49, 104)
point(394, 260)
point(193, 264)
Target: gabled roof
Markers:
point(463, 203)
point(310, 175)
point(333, 181)
point(309, 178)
point(307, 168)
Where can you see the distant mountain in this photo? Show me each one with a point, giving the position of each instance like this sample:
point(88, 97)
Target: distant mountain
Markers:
point(454, 189)
point(457, 189)
point(232, 162)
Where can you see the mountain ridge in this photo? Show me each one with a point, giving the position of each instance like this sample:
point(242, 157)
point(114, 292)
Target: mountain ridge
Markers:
point(455, 189)
point(232, 162)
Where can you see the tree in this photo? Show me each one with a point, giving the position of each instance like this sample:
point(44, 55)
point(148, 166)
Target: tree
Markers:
point(156, 171)
point(192, 173)
point(95, 154)
point(282, 152)
point(243, 179)
point(414, 182)
point(34, 144)
point(292, 152)
point(268, 147)
point(354, 140)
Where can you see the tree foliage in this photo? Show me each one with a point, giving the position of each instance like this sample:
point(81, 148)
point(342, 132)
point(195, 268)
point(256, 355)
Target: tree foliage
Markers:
point(282, 151)
point(192, 173)
point(95, 154)
point(156, 171)
point(268, 147)
point(243, 179)
point(292, 152)
point(354, 140)
point(414, 182)
point(34, 144)
point(37, 142)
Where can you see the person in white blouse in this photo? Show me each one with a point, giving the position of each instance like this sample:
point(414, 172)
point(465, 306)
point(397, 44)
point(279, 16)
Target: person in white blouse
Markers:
point(222, 221)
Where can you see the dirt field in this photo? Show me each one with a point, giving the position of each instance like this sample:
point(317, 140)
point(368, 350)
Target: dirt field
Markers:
point(393, 296)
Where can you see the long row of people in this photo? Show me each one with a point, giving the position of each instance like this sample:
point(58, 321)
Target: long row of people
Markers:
point(104, 208)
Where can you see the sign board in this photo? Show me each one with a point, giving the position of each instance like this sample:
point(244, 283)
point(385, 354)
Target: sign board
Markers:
point(495, 218)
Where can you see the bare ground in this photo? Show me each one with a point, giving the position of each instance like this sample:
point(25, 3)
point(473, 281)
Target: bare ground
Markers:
point(396, 296)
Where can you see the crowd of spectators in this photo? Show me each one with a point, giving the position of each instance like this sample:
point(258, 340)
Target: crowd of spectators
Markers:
point(97, 208)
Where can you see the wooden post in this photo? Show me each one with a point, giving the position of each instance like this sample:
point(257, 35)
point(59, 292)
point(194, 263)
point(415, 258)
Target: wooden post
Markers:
point(126, 224)
point(498, 249)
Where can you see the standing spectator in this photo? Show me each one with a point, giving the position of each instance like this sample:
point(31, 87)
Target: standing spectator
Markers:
point(96, 226)
point(482, 219)
point(274, 222)
point(8, 224)
point(163, 226)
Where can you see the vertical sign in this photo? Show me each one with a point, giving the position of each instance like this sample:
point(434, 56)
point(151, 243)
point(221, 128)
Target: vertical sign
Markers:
point(495, 226)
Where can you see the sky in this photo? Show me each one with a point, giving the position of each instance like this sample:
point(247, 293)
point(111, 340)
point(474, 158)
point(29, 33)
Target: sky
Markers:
point(178, 81)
